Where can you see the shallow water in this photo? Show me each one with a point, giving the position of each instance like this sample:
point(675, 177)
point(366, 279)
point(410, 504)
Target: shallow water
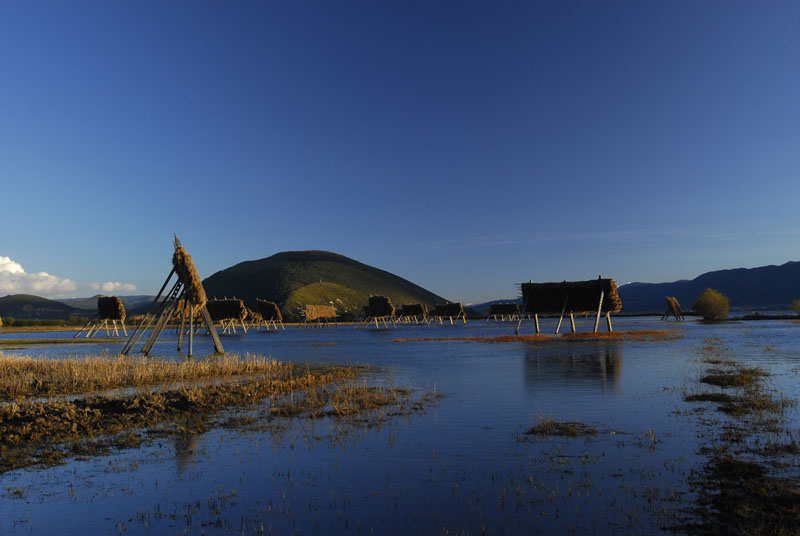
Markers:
point(462, 466)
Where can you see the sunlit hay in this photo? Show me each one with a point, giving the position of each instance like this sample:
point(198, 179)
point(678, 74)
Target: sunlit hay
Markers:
point(504, 309)
point(184, 267)
point(269, 310)
point(549, 427)
point(37, 432)
point(674, 306)
point(22, 377)
point(253, 316)
point(228, 309)
point(319, 312)
point(645, 335)
point(578, 296)
point(110, 308)
point(741, 377)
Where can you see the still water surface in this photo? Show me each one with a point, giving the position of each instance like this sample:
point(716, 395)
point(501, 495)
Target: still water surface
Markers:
point(463, 466)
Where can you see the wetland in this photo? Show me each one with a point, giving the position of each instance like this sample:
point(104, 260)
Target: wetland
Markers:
point(664, 428)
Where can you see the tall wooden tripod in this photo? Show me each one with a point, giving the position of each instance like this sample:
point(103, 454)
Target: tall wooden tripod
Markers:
point(160, 312)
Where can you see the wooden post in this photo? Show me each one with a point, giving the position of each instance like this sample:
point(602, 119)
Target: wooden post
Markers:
point(191, 330)
point(560, 318)
point(183, 323)
point(536, 319)
point(572, 321)
point(599, 308)
point(212, 331)
point(608, 320)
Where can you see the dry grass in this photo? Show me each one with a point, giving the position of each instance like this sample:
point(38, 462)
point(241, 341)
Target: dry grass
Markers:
point(47, 432)
point(22, 377)
point(739, 377)
point(550, 427)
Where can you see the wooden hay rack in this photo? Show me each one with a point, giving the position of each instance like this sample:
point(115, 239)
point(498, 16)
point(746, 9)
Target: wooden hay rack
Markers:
point(453, 311)
point(575, 297)
point(109, 308)
point(504, 312)
point(227, 312)
point(319, 315)
point(270, 314)
point(673, 309)
point(379, 310)
point(413, 313)
point(188, 294)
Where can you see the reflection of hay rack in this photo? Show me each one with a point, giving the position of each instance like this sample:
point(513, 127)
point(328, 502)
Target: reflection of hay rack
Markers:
point(573, 296)
point(414, 313)
point(108, 308)
point(227, 312)
point(319, 315)
point(453, 311)
point(270, 314)
point(673, 309)
point(188, 294)
point(505, 311)
point(379, 310)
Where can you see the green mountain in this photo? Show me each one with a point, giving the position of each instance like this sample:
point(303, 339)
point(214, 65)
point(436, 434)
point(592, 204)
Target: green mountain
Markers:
point(293, 279)
point(27, 306)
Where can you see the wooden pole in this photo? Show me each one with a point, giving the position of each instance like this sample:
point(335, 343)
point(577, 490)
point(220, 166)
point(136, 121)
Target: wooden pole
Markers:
point(608, 320)
point(599, 308)
point(191, 330)
point(212, 331)
point(572, 321)
point(560, 318)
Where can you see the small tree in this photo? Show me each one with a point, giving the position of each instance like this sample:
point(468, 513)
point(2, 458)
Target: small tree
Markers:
point(712, 305)
point(796, 306)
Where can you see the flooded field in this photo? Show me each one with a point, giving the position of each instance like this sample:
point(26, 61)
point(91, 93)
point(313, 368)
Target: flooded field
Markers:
point(584, 437)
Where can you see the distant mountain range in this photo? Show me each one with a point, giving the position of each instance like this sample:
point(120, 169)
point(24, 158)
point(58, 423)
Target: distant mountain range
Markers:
point(293, 279)
point(762, 287)
point(28, 306)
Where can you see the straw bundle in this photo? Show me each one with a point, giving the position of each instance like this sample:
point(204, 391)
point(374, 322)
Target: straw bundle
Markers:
point(269, 310)
point(254, 316)
point(320, 312)
point(448, 309)
point(414, 309)
point(110, 308)
point(673, 306)
point(504, 309)
point(580, 296)
point(379, 306)
point(184, 267)
point(226, 310)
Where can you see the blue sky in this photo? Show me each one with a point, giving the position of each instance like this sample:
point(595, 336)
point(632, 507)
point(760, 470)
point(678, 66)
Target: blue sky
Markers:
point(465, 146)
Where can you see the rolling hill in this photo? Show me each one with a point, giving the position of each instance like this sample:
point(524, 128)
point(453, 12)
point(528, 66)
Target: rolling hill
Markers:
point(90, 304)
point(295, 278)
point(765, 286)
point(27, 306)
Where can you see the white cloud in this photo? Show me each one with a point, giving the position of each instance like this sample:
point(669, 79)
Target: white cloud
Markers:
point(113, 286)
point(14, 280)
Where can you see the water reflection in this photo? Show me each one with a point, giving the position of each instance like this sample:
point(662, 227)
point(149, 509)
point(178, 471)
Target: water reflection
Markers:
point(583, 366)
point(185, 445)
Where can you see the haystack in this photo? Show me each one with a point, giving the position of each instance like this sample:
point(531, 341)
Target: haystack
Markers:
point(379, 306)
point(184, 266)
point(414, 309)
point(570, 296)
point(228, 309)
point(269, 310)
point(504, 309)
point(449, 309)
point(110, 308)
point(673, 308)
point(319, 312)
